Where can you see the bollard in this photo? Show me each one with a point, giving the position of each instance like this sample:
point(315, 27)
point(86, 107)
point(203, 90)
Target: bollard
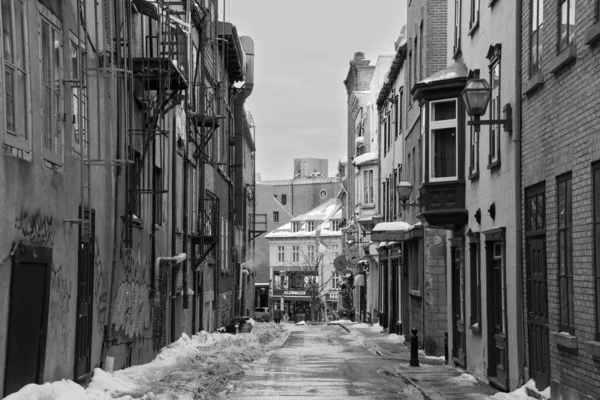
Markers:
point(414, 348)
point(445, 348)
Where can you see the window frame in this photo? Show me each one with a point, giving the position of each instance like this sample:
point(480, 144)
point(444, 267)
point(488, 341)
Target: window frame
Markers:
point(77, 90)
point(474, 153)
point(457, 26)
point(335, 280)
point(539, 25)
point(295, 253)
point(368, 187)
point(475, 281)
point(439, 125)
point(295, 226)
point(564, 238)
point(13, 138)
point(474, 15)
point(275, 216)
point(284, 199)
point(280, 253)
point(596, 239)
point(57, 70)
point(334, 225)
point(495, 113)
point(310, 253)
point(569, 35)
point(310, 226)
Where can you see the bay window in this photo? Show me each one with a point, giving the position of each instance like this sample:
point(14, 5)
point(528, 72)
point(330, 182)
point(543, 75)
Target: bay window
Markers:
point(16, 73)
point(368, 186)
point(443, 157)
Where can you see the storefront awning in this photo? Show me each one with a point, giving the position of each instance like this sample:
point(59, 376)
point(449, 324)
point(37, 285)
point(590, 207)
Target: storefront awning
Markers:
point(389, 231)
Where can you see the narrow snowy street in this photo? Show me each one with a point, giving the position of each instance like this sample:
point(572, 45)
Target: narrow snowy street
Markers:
point(321, 361)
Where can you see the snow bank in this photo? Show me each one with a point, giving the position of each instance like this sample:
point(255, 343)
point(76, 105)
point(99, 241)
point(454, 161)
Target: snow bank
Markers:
point(393, 338)
point(190, 368)
point(521, 393)
point(463, 379)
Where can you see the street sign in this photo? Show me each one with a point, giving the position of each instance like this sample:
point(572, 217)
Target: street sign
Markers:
point(340, 263)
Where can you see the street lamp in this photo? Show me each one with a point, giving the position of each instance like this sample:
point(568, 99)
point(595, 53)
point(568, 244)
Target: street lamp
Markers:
point(404, 189)
point(476, 96)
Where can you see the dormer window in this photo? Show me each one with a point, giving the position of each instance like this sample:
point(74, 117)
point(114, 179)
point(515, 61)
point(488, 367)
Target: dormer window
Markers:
point(335, 225)
point(310, 226)
point(295, 226)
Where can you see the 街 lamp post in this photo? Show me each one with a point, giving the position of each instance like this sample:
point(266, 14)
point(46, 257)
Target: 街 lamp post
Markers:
point(404, 189)
point(476, 96)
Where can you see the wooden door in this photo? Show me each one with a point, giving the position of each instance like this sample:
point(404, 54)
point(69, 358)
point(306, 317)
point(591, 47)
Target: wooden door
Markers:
point(28, 317)
point(459, 352)
point(496, 329)
point(537, 304)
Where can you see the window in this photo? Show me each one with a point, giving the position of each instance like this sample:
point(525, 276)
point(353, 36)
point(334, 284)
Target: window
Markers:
point(410, 77)
point(596, 227)
point(368, 186)
point(475, 270)
point(566, 24)
point(335, 225)
point(295, 253)
point(457, 22)
point(395, 194)
point(275, 216)
point(421, 52)
point(311, 253)
point(335, 280)
point(416, 59)
point(474, 153)
point(310, 226)
point(536, 46)
point(158, 188)
point(474, 22)
point(565, 253)
point(280, 253)
point(494, 155)
point(323, 193)
point(295, 226)
point(79, 92)
point(443, 158)
point(16, 73)
point(50, 52)
point(284, 199)
point(399, 112)
point(383, 192)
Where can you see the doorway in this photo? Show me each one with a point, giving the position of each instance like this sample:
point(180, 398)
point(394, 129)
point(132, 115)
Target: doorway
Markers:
point(459, 351)
point(28, 317)
point(537, 291)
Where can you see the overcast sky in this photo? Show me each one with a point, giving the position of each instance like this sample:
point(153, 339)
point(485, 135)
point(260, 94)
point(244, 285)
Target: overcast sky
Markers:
point(302, 49)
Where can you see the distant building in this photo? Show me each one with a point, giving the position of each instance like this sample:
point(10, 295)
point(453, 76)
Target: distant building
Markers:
point(310, 167)
point(301, 255)
point(277, 202)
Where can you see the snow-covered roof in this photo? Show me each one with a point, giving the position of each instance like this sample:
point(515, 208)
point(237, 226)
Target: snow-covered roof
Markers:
point(456, 70)
point(344, 160)
point(392, 226)
point(298, 181)
point(365, 158)
point(321, 215)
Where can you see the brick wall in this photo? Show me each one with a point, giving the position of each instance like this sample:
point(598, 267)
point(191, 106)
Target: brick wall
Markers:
point(560, 134)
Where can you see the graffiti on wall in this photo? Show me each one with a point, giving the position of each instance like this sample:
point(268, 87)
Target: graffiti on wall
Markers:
point(130, 306)
point(61, 293)
point(100, 293)
point(35, 226)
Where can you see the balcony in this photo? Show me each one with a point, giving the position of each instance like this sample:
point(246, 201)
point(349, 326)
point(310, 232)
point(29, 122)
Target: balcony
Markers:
point(443, 204)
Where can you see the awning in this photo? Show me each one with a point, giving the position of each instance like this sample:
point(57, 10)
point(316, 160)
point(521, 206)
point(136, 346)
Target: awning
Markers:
point(389, 231)
point(359, 280)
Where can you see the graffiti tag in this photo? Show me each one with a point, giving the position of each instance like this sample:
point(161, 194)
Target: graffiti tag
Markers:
point(35, 226)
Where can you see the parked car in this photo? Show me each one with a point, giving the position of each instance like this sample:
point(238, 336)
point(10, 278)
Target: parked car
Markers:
point(262, 314)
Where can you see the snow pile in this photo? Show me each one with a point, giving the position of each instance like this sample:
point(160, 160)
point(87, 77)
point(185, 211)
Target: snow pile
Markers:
point(393, 338)
point(422, 354)
point(463, 379)
point(194, 367)
point(521, 393)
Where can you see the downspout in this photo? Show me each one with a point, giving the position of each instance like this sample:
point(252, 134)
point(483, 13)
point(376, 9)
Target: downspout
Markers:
point(519, 224)
point(173, 219)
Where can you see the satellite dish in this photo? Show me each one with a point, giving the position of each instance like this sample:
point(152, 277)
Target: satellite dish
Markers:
point(340, 263)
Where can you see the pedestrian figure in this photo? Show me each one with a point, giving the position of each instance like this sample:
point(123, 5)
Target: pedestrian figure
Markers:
point(277, 316)
point(286, 318)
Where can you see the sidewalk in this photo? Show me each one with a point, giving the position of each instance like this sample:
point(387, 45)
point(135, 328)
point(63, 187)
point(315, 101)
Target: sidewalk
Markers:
point(435, 380)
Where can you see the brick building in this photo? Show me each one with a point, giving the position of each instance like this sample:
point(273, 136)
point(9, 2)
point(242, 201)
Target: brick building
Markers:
point(561, 195)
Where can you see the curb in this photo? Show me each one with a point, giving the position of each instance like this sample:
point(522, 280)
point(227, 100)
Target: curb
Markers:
point(428, 391)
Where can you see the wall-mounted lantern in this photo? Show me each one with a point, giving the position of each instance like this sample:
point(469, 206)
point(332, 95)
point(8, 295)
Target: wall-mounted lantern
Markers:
point(476, 96)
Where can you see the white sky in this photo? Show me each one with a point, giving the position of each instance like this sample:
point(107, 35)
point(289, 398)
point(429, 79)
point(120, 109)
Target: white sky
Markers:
point(302, 49)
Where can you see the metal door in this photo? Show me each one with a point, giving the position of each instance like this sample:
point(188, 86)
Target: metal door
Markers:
point(28, 317)
point(497, 360)
point(85, 300)
point(539, 344)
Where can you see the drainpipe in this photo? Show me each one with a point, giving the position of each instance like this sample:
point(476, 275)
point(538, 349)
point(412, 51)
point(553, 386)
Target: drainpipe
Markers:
point(519, 225)
point(178, 259)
